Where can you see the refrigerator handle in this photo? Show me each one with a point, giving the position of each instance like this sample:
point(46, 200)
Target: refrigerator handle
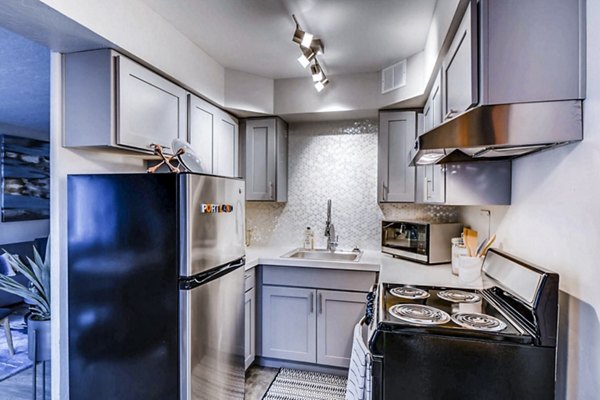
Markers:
point(211, 275)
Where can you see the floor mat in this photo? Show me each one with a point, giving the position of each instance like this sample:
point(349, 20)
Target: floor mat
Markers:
point(291, 384)
point(11, 365)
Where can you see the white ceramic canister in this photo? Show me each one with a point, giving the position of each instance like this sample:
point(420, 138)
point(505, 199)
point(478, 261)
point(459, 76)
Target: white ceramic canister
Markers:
point(458, 249)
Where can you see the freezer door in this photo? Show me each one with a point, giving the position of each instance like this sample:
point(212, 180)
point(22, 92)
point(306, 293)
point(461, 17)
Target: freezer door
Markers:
point(212, 222)
point(212, 342)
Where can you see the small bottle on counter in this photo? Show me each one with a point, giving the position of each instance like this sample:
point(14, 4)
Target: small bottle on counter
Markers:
point(458, 249)
point(309, 239)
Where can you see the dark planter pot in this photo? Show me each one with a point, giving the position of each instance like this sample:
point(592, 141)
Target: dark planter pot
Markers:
point(38, 333)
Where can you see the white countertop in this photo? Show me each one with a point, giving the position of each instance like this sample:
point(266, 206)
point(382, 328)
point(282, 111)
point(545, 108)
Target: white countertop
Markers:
point(391, 270)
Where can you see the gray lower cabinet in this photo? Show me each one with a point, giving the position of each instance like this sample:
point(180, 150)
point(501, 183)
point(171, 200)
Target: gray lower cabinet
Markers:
point(397, 134)
point(113, 101)
point(289, 329)
point(310, 325)
point(249, 327)
point(265, 159)
point(337, 314)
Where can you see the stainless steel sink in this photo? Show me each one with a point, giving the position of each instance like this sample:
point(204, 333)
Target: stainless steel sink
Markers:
point(324, 255)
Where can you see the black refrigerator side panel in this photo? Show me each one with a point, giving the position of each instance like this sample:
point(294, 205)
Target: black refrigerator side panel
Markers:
point(123, 287)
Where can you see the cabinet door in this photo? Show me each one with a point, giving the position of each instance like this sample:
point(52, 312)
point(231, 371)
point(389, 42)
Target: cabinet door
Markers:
point(337, 314)
point(226, 145)
point(151, 110)
point(397, 132)
point(433, 184)
point(201, 120)
point(249, 327)
point(460, 67)
point(289, 323)
point(260, 159)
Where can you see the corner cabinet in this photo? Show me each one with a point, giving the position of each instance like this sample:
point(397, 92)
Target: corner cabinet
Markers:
point(113, 101)
point(265, 159)
point(397, 134)
point(214, 137)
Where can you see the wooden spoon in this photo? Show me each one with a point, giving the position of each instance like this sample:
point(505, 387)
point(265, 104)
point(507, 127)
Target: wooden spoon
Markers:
point(487, 246)
point(470, 238)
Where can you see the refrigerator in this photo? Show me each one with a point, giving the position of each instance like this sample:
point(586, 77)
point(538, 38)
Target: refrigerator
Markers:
point(156, 286)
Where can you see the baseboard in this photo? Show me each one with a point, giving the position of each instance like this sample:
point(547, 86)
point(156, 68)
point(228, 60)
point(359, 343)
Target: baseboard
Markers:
point(277, 363)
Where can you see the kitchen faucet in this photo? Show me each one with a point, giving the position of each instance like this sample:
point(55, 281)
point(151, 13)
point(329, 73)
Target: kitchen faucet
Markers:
point(330, 230)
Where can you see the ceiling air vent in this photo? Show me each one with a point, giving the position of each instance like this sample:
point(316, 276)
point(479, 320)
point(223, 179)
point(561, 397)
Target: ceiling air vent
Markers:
point(393, 77)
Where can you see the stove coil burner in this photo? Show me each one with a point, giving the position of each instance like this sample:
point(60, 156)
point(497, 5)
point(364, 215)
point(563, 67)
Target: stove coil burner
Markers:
point(419, 314)
point(479, 322)
point(409, 292)
point(459, 296)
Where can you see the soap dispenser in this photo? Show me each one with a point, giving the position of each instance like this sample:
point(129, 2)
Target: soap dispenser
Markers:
point(309, 239)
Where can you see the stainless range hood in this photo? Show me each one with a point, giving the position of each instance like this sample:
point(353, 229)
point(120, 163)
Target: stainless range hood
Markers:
point(505, 131)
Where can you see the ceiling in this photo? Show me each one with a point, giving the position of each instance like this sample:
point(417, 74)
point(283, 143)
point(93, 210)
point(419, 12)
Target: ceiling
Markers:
point(24, 83)
point(255, 35)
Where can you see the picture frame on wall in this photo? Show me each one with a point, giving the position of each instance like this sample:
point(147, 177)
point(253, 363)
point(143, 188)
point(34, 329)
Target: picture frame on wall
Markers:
point(24, 179)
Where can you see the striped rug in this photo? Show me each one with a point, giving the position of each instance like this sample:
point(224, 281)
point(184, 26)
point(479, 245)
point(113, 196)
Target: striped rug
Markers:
point(292, 384)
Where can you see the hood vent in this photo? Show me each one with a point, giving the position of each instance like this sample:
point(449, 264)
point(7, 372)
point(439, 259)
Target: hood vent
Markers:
point(505, 131)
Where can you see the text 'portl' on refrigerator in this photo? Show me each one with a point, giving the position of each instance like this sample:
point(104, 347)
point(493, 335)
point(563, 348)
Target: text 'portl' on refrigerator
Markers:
point(156, 287)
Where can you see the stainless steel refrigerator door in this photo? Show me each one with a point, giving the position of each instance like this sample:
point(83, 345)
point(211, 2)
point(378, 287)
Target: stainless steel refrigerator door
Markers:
point(212, 342)
point(212, 222)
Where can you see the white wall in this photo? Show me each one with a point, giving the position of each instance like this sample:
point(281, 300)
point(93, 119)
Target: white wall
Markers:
point(136, 28)
point(554, 221)
point(65, 161)
point(248, 92)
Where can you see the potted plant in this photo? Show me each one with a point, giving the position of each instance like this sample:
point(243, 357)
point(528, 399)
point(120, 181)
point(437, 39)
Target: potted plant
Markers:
point(37, 295)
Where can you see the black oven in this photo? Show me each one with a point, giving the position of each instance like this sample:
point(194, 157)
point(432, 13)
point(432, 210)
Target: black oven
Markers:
point(431, 342)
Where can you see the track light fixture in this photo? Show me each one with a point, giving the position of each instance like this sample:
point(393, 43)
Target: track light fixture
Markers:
point(310, 48)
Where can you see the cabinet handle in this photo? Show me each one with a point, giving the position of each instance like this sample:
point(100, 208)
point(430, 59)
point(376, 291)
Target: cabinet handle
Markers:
point(427, 192)
point(312, 306)
point(384, 190)
point(451, 114)
point(320, 303)
point(271, 190)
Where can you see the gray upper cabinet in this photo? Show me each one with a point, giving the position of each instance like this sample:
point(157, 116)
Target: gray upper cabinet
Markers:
point(337, 314)
point(431, 179)
point(226, 145)
point(532, 50)
point(214, 137)
point(396, 179)
point(201, 126)
point(113, 101)
point(459, 68)
point(265, 142)
point(289, 323)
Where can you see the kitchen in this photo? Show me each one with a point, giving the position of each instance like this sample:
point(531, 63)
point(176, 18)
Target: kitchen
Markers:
point(549, 221)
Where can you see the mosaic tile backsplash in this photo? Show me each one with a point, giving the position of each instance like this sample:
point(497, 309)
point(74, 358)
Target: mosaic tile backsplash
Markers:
point(333, 160)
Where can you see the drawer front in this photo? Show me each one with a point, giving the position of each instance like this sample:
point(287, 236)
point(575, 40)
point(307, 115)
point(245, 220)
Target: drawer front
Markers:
point(249, 279)
point(335, 279)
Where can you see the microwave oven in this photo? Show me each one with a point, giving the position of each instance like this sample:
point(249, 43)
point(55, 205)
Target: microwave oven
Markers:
point(424, 242)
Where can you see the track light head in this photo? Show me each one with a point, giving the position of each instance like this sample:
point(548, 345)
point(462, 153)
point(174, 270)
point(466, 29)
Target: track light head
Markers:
point(317, 73)
point(321, 84)
point(306, 57)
